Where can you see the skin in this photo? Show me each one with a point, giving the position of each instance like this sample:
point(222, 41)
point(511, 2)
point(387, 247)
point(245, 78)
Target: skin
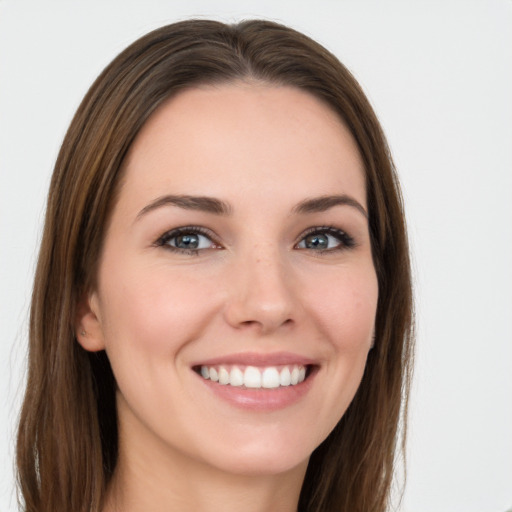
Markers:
point(254, 288)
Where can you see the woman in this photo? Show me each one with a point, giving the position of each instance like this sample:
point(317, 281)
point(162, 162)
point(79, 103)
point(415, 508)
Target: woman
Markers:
point(222, 307)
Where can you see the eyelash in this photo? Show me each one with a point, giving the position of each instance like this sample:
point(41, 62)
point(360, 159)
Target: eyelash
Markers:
point(163, 241)
point(345, 240)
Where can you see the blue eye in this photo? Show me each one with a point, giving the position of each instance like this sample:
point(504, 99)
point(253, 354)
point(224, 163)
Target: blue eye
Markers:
point(188, 240)
point(326, 239)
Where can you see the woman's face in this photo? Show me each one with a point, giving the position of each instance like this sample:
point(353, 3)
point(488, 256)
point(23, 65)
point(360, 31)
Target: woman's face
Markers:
point(236, 264)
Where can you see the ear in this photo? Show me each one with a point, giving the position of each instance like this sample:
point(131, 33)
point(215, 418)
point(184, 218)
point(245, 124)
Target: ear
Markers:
point(88, 326)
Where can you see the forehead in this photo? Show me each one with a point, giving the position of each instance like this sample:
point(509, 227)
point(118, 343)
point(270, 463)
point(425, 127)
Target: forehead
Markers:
point(243, 138)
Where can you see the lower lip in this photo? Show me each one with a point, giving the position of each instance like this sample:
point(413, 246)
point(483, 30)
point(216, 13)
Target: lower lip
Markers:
point(261, 399)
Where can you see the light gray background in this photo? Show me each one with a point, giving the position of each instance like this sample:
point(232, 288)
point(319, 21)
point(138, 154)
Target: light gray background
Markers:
point(439, 74)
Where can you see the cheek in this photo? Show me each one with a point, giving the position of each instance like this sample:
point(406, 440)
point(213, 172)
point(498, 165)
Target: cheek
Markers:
point(153, 310)
point(343, 310)
point(346, 309)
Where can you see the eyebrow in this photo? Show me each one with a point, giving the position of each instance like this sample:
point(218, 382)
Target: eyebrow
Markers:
point(198, 203)
point(219, 207)
point(323, 203)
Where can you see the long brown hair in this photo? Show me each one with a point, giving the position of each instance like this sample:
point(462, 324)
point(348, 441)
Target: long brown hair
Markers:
point(67, 439)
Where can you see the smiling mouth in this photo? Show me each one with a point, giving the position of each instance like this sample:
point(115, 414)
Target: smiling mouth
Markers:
point(255, 377)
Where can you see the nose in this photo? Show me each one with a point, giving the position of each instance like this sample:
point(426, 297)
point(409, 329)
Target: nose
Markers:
point(261, 294)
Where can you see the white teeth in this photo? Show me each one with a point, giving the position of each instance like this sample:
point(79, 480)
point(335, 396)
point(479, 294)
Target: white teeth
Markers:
point(285, 377)
point(223, 376)
point(236, 377)
point(252, 377)
point(270, 378)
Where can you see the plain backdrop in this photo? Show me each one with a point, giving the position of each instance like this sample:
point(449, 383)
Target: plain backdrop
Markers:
point(439, 75)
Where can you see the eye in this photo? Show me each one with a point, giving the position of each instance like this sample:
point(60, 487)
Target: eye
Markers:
point(187, 240)
point(322, 239)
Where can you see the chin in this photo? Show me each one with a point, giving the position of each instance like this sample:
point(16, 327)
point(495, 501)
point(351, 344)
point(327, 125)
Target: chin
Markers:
point(263, 464)
point(263, 457)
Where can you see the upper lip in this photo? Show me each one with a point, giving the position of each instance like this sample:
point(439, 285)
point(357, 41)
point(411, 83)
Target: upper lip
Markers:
point(258, 359)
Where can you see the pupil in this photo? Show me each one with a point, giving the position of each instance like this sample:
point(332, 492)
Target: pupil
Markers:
point(316, 241)
point(187, 241)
